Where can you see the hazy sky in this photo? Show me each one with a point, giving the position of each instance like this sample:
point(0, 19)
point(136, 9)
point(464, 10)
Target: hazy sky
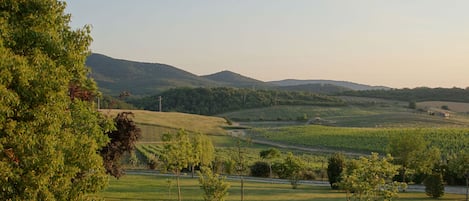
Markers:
point(396, 43)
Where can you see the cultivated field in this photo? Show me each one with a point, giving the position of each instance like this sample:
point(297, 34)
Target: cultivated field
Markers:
point(363, 140)
point(374, 115)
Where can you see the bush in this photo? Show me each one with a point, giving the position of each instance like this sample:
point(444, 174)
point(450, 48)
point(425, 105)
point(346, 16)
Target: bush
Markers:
point(434, 186)
point(260, 169)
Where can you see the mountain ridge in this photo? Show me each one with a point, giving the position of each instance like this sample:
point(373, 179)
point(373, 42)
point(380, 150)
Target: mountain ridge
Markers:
point(142, 78)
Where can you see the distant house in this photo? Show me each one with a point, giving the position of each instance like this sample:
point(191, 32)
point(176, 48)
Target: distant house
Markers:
point(438, 113)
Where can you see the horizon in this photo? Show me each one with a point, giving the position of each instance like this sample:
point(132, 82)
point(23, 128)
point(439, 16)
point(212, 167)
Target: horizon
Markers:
point(398, 44)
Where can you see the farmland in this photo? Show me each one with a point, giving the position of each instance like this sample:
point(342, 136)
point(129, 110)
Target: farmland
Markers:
point(366, 140)
point(362, 140)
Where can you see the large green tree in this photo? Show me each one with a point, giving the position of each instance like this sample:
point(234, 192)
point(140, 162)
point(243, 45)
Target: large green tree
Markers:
point(49, 132)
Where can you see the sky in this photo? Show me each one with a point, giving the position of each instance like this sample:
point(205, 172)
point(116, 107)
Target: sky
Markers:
point(394, 43)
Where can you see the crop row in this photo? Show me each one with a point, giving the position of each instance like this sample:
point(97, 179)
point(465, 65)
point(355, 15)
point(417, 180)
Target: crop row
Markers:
point(448, 140)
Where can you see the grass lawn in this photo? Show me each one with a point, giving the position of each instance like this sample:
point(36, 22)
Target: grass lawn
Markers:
point(144, 187)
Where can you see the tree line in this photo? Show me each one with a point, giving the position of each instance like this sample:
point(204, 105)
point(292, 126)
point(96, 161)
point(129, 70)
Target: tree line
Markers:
point(417, 94)
point(210, 101)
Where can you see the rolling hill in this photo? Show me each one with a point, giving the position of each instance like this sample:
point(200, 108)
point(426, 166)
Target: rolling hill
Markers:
point(234, 79)
point(114, 76)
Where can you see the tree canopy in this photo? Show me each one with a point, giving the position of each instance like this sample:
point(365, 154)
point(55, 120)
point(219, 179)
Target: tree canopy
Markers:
point(50, 132)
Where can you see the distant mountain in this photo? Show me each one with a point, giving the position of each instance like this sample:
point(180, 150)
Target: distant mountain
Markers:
point(116, 75)
point(234, 79)
point(345, 84)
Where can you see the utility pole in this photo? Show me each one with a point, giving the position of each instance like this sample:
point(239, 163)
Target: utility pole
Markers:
point(160, 109)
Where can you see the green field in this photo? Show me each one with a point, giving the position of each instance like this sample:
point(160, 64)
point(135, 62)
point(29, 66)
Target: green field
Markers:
point(369, 115)
point(364, 140)
point(144, 187)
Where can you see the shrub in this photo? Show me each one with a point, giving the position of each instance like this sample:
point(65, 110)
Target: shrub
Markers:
point(434, 186)
point(260, 169)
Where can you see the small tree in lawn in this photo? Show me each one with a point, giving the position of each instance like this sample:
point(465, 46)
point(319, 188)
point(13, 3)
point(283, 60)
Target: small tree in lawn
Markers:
point(291, 168)
point(177, 150)
point(239, 157)
point(215, 187)
point(202, 152)
point(370, 178)
point(336, 165)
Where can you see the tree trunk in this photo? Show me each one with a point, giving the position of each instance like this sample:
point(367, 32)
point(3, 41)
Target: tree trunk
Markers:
point(467, 187)
point(179, 187)
point(242, 188)
point(193, 166)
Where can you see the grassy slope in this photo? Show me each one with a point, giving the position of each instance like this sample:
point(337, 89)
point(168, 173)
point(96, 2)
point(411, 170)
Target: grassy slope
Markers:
point(141, 187)
point(453, 106)
point(376, 115)
point(174, 120)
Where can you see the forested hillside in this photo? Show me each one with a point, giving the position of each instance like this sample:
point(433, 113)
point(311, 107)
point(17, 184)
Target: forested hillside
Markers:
point(416, 94)
point(209, 101)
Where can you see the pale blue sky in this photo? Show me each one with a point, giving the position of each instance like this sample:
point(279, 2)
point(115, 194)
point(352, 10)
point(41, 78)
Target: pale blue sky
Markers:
point(397, 43)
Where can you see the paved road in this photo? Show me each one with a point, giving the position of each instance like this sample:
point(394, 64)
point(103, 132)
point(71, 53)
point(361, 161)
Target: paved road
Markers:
point(410, 188)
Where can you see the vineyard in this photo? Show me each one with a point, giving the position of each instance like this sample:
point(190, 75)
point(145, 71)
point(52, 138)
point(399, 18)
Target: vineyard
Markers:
point(448, 140)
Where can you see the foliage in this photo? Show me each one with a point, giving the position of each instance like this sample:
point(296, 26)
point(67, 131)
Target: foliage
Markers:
point(215, 187)
point(460, 166)
point(176, 154)
point(260, 169)
point(369, 178)
point(202, 153)
point(269, 155)
point(335, 167)
point(407, 148)
point(434, 186)
point(50, 133)
point(291, 168)
point(209, 101)
point(122, 140)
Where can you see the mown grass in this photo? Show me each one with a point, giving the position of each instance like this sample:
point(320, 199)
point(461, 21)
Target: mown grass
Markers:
point(173, 120)
point(364, 140)
point(147, 187)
